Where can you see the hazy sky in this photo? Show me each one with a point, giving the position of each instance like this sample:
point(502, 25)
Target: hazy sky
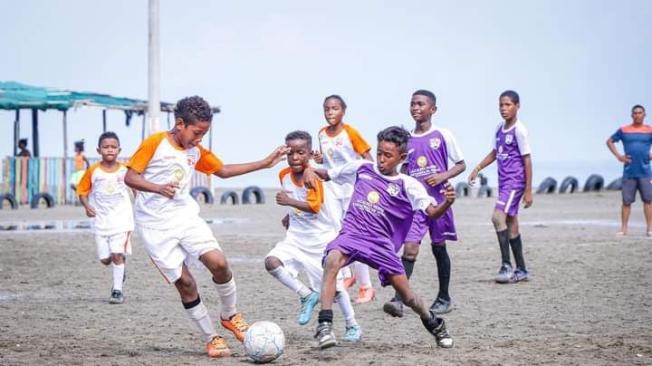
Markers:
point(579, 66)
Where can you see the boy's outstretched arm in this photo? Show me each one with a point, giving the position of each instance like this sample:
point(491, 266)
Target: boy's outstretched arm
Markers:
point(90, 211)
point(490, 158)
point(527, 197)
point(136, 181)
point(311, 176)
point(232, 170)
point(436, 211)
point(283, 199)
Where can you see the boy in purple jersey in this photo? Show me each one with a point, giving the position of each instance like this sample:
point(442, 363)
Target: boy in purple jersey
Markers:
point(512, 151)
point(376, 223)
point(429, 150)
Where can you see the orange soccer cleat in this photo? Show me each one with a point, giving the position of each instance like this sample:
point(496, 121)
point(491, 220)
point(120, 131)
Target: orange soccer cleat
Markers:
point(365, 294)
point(237, 325)
point(217, 348)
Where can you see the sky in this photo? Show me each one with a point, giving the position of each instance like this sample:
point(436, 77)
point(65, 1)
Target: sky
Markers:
point(579, 67)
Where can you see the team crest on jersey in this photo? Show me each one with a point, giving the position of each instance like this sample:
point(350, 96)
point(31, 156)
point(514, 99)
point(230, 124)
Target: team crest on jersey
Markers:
point(373, 197)
point(110, 188)
point(509, 139)
point(178, 173)
point(191, 160)
point(393, 190)
point(422, 161)
point(330, 152)
point(435, 143)
point(339, 142)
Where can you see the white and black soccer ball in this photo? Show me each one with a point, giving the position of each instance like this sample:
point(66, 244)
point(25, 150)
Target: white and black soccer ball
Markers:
point(264, 342)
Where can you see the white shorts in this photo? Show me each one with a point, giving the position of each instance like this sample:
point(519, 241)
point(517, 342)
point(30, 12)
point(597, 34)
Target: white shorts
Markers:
point(185, 242)
point(117, 244)
point(295, 258)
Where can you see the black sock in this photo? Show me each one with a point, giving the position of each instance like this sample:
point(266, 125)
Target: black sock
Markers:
point(503, 241)
point(517, 249)
point(443, 269)
point(408, 264)
point(191, 304)
point(325, 316)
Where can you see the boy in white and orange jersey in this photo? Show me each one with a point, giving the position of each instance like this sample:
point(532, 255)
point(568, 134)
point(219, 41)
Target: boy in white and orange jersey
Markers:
point(168, 217)
point(340, 144)
point(311, 226)
point(106, 198)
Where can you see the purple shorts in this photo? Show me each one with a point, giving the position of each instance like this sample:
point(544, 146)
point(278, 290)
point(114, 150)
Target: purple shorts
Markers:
point(377, 253)
point(441, 229)
point(509, 199)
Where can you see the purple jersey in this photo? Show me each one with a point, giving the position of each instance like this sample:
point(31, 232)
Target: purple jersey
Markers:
point(428, 154)
point(381, 206)
point(511, 145)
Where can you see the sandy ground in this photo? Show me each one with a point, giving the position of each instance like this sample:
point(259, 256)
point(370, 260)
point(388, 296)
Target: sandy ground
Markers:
point(589, 301)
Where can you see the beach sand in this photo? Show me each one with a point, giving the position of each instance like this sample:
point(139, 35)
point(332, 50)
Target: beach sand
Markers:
point(589, 301)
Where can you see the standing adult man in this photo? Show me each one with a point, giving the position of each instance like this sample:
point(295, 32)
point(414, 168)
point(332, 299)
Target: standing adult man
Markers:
point(637, 175)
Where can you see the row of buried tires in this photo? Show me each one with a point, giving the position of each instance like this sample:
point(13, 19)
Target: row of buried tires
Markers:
point(594, 183)
point(250, 195)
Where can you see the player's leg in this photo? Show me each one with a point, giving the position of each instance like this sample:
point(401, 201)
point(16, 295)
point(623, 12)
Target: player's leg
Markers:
point(645, 188)
point(442, 303)
point(499, 220)
point(629, 196)
point(224, 283)
point(366, 292)
point(394, 307)
point(118, 247)
point(309, 298)
point(515, 242)
point(436, 326)
point(332, 263)
point(196, 310)
point(353, 331)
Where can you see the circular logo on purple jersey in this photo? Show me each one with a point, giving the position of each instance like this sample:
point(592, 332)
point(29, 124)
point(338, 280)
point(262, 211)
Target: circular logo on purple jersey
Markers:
point(373, 197)
point(422, 161)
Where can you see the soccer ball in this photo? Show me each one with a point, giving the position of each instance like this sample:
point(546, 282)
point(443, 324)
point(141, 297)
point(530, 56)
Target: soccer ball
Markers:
point(264, 342)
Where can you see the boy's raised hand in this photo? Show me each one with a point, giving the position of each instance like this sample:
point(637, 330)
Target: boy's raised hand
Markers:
point(280, 153)
point(168, 190)
point(318, 157)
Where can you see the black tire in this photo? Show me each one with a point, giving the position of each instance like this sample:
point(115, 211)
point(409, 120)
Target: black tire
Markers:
point(549, 185)
point(485, 191)
point(569, 182)
point(615, 185)
point(200, 190)
point(229, 195)
point(9, 198)
point(258, 195)
point(36, 200)
point(595, 182)
point(462, 189)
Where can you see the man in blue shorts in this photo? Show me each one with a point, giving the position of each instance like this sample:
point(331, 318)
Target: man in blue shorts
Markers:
point(637, 175)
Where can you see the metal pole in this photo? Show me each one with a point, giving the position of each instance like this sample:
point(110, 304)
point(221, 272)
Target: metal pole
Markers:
point(16, 131)
point(65, 154)
point(103, 120)
point(142, 135)
point(154, 103)
point(35, 132)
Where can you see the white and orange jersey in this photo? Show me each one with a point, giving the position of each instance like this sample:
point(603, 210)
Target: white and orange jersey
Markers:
point(309, 229)
point(160, 160)
point(340, 149)
point(109, 196)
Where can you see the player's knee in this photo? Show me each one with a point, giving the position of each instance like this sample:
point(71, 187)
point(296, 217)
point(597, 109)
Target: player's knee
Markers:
point(186, 285)
point(332, 262)
point(272, 263)
point(117, 258)
point(105, 261)
point(498, 220)
point(410, 251)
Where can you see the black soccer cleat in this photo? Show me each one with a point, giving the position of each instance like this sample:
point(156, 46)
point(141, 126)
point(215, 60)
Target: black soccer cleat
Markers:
point(437, 327)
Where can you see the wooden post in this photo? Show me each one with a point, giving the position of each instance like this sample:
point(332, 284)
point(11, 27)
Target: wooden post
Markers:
point(16, 131)
point(103, 120)
point(35, 144)
point(65, 155)
point(142, 135)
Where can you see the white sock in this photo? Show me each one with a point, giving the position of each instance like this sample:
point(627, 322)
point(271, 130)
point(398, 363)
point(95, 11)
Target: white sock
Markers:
point(118, 276)
point(291, 282)
point(199, 315)
point(227, 294)
point(362, 274)
point(344, 301)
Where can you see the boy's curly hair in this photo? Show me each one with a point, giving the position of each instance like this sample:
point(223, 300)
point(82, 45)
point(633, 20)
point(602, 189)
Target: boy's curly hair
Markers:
point(193, 109)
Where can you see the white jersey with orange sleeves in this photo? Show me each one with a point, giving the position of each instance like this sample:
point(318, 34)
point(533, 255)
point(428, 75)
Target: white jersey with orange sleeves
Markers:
point(109, 196)
point(312, 230)
point(160, 160)
point(340, 149)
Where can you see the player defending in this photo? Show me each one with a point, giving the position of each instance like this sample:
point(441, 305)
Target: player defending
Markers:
point(168, 217)
point(311, 227)
point(376, 223)
point(512, 150)
point(429, 150)
point(106, 198)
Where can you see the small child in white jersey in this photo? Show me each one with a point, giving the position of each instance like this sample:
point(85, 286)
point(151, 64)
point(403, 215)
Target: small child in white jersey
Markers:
point(339, 144)
point(311, 226)
point(106, 198)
